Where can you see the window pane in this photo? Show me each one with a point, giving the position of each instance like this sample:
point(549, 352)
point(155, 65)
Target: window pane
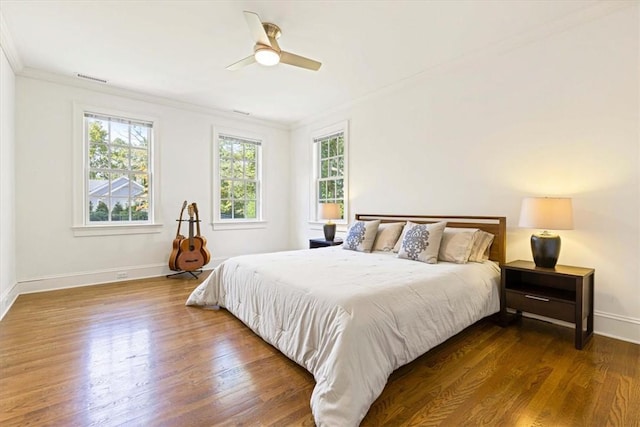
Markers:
point(225, 149)
point(339, 189)
point(139, 159)
point(250, 170)
point(119, 133)
point(324, 149)
point(251, 209)
point(238, 190)
point(324, 168)
point(332, 167)
point(340, 150)
point(322, 193)
point(225, 209)
point(120, 209)
point(140, 209)
point(340, 166)
point(225, 189)
point(238, 209)
point(98, 130)
point(119, 157)
point(140, 135)
point(237, 151)
point(99, 210)
point(140, 185)
point(250, 189)
point(333, 147)
point(331, 189)
point(238, 170)
point(99, 156)
point(225, 168)
point(250, 151)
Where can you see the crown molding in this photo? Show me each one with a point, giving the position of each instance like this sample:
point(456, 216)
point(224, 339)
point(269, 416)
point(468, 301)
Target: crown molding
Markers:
point(8, 47)
point(106, 88)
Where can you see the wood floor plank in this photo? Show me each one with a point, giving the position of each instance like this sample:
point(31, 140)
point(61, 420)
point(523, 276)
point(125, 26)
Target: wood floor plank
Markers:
point(131, 353)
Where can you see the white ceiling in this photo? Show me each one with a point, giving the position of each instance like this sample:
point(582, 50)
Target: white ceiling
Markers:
point(179, 49)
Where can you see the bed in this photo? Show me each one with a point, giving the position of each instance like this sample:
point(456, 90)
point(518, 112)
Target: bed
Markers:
point(351, 318)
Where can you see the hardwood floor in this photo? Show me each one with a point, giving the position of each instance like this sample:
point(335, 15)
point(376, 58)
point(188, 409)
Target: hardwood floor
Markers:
point(131, 353)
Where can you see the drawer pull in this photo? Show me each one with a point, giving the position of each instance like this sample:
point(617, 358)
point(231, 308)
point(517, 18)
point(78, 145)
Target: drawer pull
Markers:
point(537, 298)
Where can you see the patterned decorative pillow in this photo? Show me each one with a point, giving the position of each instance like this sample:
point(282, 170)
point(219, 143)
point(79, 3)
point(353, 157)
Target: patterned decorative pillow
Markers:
point(387, 236)
point(456, 244)
point(481, 246)
point(361, 235)
point(421, 242)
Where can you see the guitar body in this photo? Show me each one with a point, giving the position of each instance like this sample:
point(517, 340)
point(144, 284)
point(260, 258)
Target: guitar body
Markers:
point(190, 255)
point(176, 242)
point(203, 242)
point(175, 251)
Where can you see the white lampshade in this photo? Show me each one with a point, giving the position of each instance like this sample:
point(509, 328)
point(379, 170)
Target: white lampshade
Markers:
point(330, 211)
point(267, 56)
point(546, 213)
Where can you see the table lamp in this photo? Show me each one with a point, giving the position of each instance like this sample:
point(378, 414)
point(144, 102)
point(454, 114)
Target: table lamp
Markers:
point(330, 211)
point(546, 213)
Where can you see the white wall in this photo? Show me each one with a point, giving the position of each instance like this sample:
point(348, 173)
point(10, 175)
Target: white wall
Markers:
point(555, 116)
point(48, 254)
point(7, 185)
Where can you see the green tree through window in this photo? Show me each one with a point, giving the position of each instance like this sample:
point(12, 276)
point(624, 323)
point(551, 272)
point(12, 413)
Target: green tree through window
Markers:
point(119, 177)
point(239, 180)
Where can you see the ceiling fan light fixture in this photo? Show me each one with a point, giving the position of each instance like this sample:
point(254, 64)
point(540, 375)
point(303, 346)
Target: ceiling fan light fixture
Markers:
point(267, 56)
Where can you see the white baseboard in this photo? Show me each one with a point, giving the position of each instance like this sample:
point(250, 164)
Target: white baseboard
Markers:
point(7, 300)
point(89, 278)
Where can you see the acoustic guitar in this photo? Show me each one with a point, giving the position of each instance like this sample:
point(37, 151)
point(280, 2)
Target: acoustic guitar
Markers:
point(176, 242)
point(203, 241)
point(190, 257)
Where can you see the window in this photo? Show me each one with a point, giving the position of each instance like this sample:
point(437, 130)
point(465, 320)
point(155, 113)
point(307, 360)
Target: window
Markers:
point(330, 168)
point(238, 182)
point(118, 169)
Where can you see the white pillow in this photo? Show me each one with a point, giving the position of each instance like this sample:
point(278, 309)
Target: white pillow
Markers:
point(481, 246)
point(361, 235)
point(456, 244)
point(387, 236)
point(421, 242)
point(407, 226)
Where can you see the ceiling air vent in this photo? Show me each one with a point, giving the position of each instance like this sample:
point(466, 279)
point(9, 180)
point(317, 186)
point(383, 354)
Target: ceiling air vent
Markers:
point(93, 79)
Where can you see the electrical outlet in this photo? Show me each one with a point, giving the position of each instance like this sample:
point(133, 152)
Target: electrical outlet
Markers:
point(122, 275)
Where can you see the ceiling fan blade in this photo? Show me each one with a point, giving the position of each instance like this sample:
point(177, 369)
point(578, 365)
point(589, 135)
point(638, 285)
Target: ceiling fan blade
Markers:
point(258, 33)
point(299, 61)
point(242, 63)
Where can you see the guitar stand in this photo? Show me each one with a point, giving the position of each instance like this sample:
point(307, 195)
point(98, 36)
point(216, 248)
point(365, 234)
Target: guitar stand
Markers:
point(194, 273)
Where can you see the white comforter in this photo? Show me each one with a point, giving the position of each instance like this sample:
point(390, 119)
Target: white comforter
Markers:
point(350, 318)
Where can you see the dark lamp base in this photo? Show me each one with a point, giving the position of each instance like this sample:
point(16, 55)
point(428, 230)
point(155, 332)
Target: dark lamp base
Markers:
point(329, 232)
point(545, 250)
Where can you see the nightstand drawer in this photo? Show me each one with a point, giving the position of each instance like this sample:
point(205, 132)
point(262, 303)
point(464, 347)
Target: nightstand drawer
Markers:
point(544, 306)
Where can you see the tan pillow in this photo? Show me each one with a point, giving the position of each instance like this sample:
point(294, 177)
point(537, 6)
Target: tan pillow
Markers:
point(481, 246)
point(388, 234)
point(421, 242)
point(456, 244)
point(361, 235)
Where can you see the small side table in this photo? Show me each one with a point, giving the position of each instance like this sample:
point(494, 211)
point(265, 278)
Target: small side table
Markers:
point(322, 243)
point(563, 293)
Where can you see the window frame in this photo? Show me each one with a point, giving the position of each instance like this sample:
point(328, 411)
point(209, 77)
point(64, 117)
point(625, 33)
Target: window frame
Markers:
point(81, 225)
point(314, 202)
point(219, 223)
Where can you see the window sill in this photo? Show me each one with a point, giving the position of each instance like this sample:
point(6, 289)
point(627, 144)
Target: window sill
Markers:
point(239, 225)
point(115, 230)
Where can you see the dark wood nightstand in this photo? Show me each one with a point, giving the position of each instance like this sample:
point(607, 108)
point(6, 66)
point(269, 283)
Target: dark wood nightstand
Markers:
point(563, 293)
point(322, 243)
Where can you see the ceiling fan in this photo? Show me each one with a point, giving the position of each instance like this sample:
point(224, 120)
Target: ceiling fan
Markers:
point(266, 50)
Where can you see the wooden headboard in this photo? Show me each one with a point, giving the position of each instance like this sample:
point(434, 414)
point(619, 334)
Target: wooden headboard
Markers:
point(496, 225)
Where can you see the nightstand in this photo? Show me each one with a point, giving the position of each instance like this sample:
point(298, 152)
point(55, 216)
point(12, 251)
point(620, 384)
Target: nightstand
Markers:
point(322, 243)
point(563, 293)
